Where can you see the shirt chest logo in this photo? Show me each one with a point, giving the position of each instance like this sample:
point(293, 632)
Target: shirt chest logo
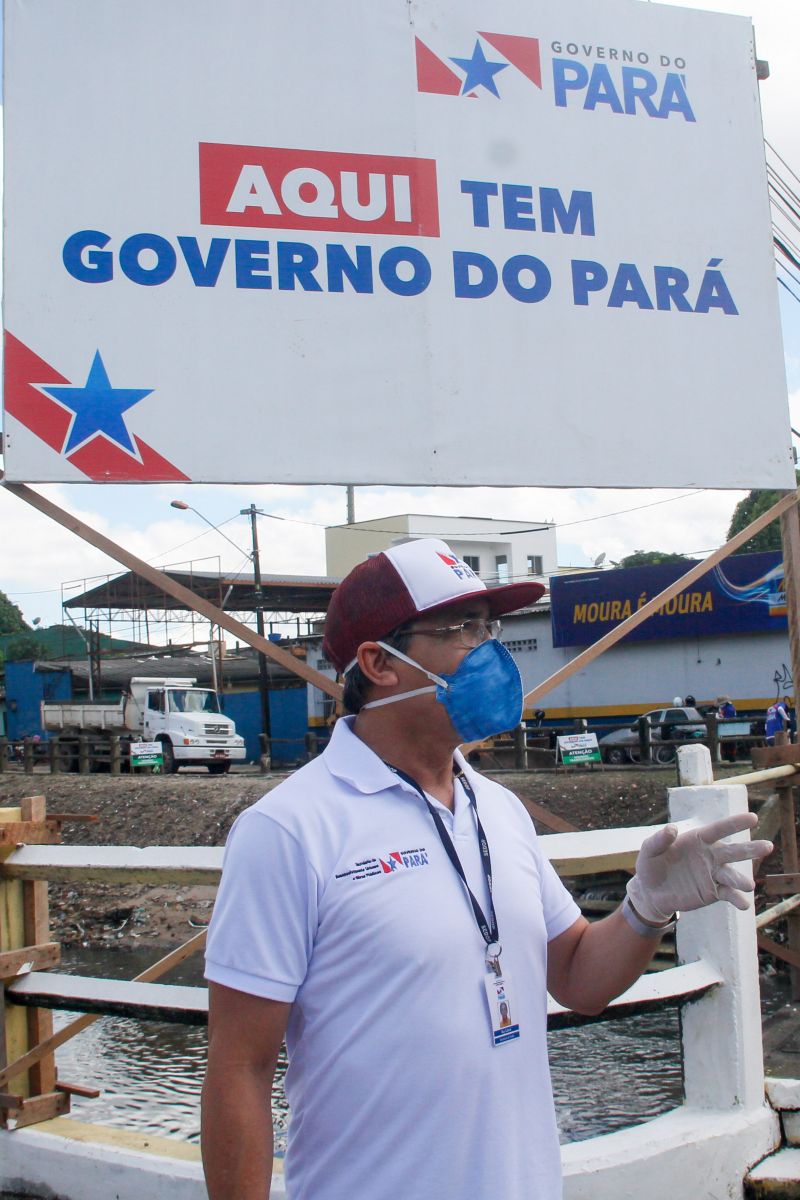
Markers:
point(395, 860)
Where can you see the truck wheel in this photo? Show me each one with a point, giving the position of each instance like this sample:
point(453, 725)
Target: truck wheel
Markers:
point(219, 768)
point(168, 754)
point(616, 755)
point(663, 755)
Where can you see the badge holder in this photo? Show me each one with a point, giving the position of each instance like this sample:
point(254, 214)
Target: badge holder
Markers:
point(499, 993)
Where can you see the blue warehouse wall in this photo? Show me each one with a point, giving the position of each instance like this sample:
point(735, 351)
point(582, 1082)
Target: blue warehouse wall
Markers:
point(288, 711)
point(25, 689)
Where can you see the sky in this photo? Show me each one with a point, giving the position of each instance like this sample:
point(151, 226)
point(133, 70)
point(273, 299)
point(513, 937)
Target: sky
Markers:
point(39, 560)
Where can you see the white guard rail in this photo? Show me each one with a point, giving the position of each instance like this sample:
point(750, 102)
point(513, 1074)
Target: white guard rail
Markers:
point(700, 1150)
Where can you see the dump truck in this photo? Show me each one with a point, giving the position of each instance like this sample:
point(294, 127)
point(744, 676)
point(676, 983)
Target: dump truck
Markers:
point(185, 719)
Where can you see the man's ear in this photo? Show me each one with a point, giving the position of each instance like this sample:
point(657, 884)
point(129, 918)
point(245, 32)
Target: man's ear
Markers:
point(376, 665)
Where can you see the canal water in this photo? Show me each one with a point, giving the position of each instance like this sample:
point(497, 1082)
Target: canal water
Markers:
point(605, 1076)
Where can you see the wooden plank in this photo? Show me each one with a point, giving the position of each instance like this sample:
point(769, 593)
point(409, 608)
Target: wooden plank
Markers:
point(650, 992)
point(29, 958)
point(30, 833)
point(179, 865)
point(770, 915)
point(769, 820)
point(38, 1108)
point(775, 756)
point(120, 997)
point(782, 885)
point(549, 819)
point(85, 818)
point(76, 1089)
point(779, 951)
point(155, 971)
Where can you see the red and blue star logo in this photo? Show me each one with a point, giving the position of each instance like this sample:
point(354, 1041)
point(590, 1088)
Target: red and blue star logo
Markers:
point(82, 422)
point(476, 74)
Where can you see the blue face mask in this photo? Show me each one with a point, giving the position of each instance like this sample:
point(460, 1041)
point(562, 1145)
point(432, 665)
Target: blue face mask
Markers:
point(482, 697)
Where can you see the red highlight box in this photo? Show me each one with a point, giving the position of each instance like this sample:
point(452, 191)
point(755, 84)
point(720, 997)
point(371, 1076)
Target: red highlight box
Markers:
point(268, 187)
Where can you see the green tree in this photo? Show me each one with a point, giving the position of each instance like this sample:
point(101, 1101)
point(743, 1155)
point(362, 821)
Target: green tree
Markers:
point(754, 504)
point(650, 558)
point(11, 619)
point(26, 646)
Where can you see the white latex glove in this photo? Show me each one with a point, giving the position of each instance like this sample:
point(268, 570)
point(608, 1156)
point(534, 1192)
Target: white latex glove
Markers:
point(678, 872)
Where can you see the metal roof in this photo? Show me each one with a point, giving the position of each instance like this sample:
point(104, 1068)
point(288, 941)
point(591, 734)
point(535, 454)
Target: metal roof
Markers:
point(237, 669)
point(234, 593)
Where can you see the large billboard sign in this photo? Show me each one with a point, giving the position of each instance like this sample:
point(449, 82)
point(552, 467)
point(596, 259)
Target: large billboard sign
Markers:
point(744, 594)
point(405, 242)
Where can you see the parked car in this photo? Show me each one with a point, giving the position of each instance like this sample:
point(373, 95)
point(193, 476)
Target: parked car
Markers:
point(666, 725)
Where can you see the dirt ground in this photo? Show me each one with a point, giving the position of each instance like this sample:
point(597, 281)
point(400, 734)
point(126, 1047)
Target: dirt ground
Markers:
point(193, 808)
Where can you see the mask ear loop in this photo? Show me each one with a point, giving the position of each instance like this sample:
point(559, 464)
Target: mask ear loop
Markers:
point(399, 654)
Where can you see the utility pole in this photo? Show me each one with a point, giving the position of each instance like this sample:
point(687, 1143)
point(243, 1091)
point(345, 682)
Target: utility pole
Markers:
point(263, 676)
point(351, 504)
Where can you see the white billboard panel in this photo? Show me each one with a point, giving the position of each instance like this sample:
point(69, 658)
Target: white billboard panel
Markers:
point(388, 243)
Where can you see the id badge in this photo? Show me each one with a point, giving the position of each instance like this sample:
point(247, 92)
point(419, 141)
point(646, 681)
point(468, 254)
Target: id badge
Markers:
point(501, 1008)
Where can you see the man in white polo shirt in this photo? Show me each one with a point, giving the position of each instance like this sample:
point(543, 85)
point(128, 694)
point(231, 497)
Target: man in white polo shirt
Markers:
point(390, 913)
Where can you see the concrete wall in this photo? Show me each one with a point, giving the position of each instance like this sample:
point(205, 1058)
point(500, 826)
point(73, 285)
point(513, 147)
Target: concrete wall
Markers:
point(482, 537)
point(635, 676)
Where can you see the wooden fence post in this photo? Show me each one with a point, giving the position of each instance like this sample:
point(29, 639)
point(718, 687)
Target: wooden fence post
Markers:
point(644, 739)
point(3, 754)
point(712, 734)
point(115, 754)
point(36, 929)
point(24, 925)
point(27, 755)
point(83, 754)
point(521, 748)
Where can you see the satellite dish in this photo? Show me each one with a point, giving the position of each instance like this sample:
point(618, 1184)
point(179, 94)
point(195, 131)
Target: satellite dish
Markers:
point(36, 621)
point(601, 558)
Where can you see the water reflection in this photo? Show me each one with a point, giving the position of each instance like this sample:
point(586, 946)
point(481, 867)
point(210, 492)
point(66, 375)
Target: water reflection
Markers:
point(605, 1076)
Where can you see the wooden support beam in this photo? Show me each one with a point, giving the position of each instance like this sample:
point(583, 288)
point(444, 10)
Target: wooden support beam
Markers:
point(188, 598)
point(30, 833)
point(780, 885)
point(770, 915)
point(38, 1108)
point(76, 1089)
point(775, 756)
point(779, 951)
point(36, 921)
point(29, 958)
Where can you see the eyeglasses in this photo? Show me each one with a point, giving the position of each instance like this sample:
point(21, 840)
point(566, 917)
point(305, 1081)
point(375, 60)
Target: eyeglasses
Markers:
point(469, 633)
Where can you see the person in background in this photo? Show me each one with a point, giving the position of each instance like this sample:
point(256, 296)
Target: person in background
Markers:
point(380, 904)
point(725, 707)
point(791, 727)
point(776, 723)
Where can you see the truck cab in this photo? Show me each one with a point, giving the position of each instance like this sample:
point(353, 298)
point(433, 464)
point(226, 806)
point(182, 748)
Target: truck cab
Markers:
point(187, 721)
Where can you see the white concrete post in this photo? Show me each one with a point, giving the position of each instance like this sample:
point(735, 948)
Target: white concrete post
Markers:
point(721, 1032)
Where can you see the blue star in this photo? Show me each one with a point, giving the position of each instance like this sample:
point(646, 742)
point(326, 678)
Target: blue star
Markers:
point(98, 408)
point(480, 72)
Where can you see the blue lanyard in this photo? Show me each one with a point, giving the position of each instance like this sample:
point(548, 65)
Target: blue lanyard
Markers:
point(488, 928)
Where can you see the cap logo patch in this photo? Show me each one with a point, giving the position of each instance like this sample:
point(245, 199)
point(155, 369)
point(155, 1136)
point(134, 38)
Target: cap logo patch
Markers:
point(459, 568)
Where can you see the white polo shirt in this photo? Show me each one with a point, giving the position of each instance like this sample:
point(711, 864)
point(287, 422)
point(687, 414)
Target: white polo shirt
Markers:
point(337, 895)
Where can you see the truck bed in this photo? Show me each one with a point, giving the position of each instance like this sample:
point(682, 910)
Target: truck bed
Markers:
point(56, 717)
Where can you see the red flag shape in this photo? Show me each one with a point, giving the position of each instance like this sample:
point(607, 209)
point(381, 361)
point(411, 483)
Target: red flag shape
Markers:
point(521, 52)
point(433, 75)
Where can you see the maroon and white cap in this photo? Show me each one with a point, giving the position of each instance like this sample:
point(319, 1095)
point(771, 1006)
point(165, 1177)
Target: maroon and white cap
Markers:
point(398, 584)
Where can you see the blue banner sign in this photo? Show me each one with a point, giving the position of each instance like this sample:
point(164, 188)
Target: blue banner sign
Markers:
point(742, 594)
